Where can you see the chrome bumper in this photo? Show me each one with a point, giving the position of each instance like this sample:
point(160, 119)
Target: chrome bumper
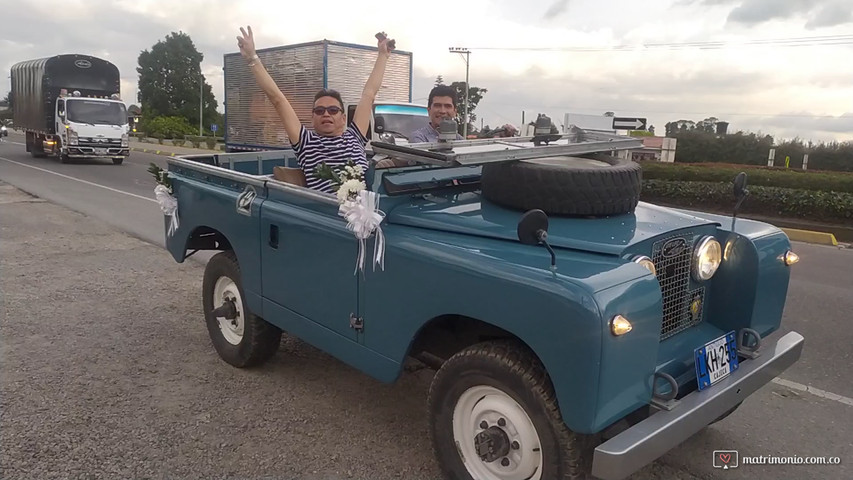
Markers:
point(649, 439)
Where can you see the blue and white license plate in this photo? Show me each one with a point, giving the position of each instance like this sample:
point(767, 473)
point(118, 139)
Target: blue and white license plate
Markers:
point(716, 360)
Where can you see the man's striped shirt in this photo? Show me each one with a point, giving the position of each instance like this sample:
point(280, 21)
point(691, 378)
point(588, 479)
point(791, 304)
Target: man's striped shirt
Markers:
point(334, 151)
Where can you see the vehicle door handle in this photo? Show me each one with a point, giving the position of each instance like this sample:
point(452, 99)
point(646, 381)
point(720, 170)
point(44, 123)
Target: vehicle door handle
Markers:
point(274, 236)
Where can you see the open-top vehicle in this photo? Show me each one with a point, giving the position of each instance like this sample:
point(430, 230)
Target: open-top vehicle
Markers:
point(574, 328)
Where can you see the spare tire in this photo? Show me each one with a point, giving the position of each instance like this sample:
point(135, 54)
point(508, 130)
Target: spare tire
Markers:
point(594, 184)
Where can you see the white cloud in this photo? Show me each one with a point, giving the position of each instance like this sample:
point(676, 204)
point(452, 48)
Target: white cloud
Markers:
point(783, 91)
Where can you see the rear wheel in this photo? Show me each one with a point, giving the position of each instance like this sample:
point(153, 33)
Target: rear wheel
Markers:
point(240, 338)
point(494, 416)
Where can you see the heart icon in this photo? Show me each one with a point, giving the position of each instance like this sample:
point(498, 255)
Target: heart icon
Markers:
point(725, 457)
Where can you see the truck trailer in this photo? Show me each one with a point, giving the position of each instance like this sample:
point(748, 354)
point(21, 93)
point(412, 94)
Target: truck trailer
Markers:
point(300, 71)
point(70, 106)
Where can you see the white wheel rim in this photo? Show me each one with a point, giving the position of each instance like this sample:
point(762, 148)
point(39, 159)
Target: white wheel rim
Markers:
point(488, 404)
point(232, 330)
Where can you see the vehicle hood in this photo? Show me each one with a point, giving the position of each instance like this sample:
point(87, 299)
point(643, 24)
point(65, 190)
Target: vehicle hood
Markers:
point(468, 214)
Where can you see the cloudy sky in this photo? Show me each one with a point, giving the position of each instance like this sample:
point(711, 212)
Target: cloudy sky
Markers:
point(602, 55)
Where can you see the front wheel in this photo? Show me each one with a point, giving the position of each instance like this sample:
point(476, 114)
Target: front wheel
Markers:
point(239, 337)
point(494, 416)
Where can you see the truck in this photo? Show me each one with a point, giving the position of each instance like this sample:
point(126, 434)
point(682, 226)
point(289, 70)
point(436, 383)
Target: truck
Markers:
point(300, 71)
point(70, 107)
point(575, 330)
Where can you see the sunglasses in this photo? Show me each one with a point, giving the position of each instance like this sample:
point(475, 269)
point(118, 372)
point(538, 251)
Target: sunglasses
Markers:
point(332, 110)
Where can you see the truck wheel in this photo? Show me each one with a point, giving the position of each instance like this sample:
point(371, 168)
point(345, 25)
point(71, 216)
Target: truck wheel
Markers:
point(595, 184)
point(239, 337)
point(117, 161)
point(494, 416)
point(63, 158)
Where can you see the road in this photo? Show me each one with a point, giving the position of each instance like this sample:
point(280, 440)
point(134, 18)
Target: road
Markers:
point(143, 394)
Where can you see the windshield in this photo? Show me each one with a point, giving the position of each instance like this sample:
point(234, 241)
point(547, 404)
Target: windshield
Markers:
point(402, 120)
point(96, 112)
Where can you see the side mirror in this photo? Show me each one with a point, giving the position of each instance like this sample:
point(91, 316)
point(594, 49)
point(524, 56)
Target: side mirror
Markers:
point(740, 186)
point(533, 230)
point(380, 125)
point(740, 192)
point(533, 227)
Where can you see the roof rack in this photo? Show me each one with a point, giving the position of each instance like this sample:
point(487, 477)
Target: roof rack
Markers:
point(476, 152)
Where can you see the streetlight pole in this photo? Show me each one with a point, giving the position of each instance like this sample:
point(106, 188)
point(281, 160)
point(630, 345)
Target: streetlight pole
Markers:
point(467, 58)
point(200, 99)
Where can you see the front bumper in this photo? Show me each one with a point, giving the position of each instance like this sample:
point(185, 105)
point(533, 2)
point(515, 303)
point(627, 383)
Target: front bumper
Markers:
point(82, 151)
point(649, 439)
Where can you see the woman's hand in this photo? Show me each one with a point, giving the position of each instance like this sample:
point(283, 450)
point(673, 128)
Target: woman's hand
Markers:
point(385, 44)
point(246, 43)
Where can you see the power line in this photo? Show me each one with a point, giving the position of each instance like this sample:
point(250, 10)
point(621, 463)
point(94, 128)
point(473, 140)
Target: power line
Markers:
point(826, 40)
point(577, 109)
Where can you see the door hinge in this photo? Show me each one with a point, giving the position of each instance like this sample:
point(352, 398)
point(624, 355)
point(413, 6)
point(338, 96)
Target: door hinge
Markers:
point(356, 322)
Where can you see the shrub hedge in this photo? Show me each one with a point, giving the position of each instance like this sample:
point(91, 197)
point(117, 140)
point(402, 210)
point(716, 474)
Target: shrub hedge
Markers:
point(836, 207)
point(756, 176)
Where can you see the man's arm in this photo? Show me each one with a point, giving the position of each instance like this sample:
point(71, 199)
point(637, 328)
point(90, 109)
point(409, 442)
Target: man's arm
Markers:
point(285, 111)
point(361, 118)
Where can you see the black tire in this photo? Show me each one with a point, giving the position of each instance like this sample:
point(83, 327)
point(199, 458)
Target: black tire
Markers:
point(515, 371)
point(260, 339)
point(594, 184)
point(64, 158)
point(117, 161)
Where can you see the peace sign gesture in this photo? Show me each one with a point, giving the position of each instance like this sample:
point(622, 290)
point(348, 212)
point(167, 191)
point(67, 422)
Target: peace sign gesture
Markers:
point(246, 42)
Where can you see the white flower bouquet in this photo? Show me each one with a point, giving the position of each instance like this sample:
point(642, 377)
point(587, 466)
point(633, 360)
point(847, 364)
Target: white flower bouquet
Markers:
point(360, 208)
point(348, 179)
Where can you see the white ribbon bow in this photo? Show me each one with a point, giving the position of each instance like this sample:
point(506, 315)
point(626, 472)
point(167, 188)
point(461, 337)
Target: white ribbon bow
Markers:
point(363, 217)
point(168, 205)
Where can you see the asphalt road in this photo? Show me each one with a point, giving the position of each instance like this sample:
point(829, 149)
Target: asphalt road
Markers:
point(107, 370)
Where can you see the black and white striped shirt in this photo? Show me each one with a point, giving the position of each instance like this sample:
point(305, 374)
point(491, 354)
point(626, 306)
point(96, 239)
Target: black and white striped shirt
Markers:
point(335, 151)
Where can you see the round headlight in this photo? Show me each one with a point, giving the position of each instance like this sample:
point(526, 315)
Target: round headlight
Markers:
point(707, 258)
point(646, 262)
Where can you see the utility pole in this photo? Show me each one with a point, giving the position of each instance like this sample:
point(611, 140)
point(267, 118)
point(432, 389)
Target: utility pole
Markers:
point(467, 58)
point(200, 98)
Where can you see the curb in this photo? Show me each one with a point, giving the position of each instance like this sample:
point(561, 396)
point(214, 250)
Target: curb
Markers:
point(808, 236)
point(168, 153)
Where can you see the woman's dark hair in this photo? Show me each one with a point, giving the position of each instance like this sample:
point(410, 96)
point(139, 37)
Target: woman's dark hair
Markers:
point(442, 91)
point(330, 93)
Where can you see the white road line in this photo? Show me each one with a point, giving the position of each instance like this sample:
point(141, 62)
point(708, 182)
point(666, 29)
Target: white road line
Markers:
point(81, 181)
point(814, 391)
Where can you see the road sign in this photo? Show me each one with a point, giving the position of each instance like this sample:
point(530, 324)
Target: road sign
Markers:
point(213, 127)
point(624, 123)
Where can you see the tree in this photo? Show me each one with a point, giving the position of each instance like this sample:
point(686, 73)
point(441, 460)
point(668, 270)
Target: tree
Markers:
point(169, 80)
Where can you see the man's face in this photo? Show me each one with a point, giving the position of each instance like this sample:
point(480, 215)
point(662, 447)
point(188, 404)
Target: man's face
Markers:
point(328, 117)
point(441, 107)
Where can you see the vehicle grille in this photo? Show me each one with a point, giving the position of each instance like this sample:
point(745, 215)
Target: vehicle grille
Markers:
point(673, 272)
point(98, 143)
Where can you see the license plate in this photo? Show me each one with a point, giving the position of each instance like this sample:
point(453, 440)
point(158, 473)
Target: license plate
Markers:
point(101, 151)
point(716, 360)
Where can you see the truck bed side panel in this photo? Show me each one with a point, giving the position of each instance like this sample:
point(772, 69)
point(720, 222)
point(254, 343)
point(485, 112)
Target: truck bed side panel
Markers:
point(350, 66)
